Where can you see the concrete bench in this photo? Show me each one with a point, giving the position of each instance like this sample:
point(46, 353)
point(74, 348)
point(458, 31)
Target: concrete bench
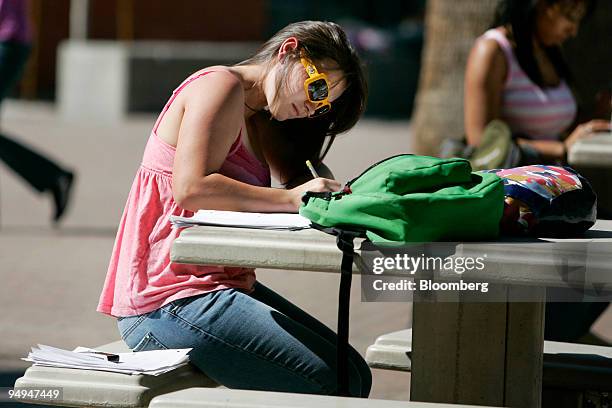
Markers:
point(393, 351)
point(209, 398)
point(125, 71)
point(183, 387)
point(91, 388)
point(569, 369)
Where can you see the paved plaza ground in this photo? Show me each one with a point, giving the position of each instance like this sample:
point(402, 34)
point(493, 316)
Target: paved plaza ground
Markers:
point(52, 277)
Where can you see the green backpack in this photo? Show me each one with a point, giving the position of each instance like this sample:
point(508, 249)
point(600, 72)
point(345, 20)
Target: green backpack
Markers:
point(409, 198)
point(404, 198)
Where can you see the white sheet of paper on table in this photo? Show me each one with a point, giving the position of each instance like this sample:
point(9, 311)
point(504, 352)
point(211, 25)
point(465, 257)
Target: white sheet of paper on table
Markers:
point(278, 221)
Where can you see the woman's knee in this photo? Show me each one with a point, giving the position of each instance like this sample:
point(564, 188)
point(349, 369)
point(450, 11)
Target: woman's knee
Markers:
point(359, 377)
point(366, 381)
point(360, 380)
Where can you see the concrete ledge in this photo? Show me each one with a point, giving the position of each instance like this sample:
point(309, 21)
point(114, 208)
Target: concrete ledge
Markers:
point(306, 250)
point(391, 351)
point(567, 366)
point(527, 262)
point(101, 81)
point(90, 388)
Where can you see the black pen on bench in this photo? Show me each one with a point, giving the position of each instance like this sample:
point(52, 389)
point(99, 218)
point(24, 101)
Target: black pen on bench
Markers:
point(109, 356)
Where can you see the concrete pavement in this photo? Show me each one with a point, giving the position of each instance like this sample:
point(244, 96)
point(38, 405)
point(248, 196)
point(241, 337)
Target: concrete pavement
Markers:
point(52, 277)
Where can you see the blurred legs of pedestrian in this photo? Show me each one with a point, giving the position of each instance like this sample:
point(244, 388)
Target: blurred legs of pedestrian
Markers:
point(41, 173)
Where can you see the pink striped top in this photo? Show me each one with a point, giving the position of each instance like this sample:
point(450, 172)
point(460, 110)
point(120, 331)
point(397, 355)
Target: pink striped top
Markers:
point(140, 277)
point(529, 110)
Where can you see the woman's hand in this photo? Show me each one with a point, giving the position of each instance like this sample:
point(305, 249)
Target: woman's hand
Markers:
point(318, 185)
point(585, 130)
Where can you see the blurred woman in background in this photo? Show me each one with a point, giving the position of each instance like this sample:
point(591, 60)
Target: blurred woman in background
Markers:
point(516, 73)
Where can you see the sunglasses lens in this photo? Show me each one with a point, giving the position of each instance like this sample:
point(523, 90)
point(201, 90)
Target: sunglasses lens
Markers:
point(321, 111)
point(317, 90)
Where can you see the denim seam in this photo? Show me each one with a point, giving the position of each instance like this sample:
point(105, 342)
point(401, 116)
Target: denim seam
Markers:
point(133, 326)
point(150, 338)
point(252, 353)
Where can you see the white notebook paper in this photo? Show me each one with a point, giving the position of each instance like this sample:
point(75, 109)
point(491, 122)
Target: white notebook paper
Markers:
point(278, 221)
point(153, 362)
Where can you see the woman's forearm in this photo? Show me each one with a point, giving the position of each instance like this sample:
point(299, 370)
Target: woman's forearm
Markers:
point(549, 149)
point(218, 192)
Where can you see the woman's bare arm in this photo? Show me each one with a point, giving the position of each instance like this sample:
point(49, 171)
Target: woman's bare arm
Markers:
point(485, 76)
point(213, 112)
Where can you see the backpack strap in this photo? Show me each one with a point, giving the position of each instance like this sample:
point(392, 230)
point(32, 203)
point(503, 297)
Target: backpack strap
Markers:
point(345, 242)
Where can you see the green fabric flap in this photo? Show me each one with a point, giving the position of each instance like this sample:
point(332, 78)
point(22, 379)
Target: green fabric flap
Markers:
point(441, 210)
point(409, 173)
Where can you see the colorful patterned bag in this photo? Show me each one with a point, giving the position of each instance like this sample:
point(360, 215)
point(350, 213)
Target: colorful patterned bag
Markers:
point(546, 200)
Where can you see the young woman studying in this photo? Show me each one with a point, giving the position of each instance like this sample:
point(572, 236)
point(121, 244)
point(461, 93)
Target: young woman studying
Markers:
point(222, 135)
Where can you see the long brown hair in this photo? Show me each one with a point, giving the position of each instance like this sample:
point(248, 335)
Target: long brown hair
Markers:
point(304, 138)
point(520, 15)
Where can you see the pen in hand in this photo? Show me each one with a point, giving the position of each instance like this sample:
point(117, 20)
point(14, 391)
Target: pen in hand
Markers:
point(312, 169)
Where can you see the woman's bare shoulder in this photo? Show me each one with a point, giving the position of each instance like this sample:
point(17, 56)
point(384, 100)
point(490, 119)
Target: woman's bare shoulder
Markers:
point(216, 95)
point(487, 48)
point(219, 78)
point(487, 54)
point(486, 64)
point(219, 88)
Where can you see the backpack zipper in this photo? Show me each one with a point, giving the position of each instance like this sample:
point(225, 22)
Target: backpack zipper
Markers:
point(327, 196)
point(348, 184)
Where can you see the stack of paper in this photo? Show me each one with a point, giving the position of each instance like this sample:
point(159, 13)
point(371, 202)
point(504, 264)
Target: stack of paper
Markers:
point(154, 362)
point(276, 221)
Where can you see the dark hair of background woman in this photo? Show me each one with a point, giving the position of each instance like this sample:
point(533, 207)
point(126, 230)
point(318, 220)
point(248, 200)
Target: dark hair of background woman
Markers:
point(520, 15)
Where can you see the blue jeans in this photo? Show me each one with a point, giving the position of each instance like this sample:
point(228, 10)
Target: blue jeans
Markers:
point(257, 341)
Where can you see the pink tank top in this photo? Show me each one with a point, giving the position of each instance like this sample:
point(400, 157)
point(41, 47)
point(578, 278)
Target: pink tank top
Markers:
point(140, 277)
point(528, 109)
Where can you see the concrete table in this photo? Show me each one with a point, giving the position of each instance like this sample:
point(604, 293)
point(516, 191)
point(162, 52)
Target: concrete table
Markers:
point(592, 157)
point(595, 151)
point(465, 351)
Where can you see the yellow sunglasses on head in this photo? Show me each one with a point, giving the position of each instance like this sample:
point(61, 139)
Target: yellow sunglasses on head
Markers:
point(317, 88)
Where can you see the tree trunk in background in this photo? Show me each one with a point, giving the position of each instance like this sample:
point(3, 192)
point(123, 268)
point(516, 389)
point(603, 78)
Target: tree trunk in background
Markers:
point(451, 26)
